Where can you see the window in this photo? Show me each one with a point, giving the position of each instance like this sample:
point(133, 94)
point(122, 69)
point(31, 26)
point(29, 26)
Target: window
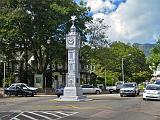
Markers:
point(129, 85)
point(12, 87)
point(152, 87)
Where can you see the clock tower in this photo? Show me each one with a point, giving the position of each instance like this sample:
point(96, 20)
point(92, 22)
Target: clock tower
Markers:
point(72, 90)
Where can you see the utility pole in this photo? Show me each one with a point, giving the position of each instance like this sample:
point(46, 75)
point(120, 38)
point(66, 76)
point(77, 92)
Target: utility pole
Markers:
point(122, 71)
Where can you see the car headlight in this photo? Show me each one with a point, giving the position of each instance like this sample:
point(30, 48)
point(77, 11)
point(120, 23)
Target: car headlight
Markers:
point(121, 91)
point(158, 93)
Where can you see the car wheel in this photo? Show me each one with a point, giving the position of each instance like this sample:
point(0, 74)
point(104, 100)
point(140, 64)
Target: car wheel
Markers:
point(32, 95)
point(110, 92)
point(58, 95)
point(145, 99)
point(8, 94)
point(121, 95)
point(97, 92)
point(24, 94)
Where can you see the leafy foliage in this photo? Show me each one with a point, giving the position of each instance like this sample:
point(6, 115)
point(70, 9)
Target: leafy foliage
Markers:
point(109, 60)
point(154, 58)
point(27, 25)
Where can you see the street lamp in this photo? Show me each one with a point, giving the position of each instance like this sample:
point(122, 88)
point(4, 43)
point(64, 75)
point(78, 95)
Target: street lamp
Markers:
point(45, 84)
point(4, 70)
point(4, 73)
point(123, 66)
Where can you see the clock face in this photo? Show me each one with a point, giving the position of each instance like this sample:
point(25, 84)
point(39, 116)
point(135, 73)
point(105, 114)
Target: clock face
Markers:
point(70, 41)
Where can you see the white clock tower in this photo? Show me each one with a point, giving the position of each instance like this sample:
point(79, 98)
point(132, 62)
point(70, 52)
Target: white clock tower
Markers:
point(72, 90)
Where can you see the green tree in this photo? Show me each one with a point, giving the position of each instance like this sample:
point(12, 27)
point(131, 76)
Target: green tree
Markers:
point(28, 24)
point(154, 59)
point(110, 60)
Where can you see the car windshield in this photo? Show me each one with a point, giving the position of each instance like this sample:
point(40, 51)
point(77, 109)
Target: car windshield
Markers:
point(153, 87)
point(128, 85)
point(158, 82)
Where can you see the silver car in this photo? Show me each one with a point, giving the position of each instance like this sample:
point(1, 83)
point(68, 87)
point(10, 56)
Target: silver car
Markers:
point(91, 89)
point(129, 89)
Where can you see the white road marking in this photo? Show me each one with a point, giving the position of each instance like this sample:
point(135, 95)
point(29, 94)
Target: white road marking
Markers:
point(70, 113)
point(61, 114)
point(14, 119)
point(52, 114)
point(40, 115)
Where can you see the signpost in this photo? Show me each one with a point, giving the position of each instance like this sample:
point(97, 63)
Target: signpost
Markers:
point(38, 80)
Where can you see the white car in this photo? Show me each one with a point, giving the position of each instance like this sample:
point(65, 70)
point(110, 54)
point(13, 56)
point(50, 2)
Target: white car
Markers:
point(152, 91)
point(91, 89)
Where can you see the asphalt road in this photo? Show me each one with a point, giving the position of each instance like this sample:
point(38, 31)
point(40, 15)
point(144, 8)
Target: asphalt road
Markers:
point(102, 107)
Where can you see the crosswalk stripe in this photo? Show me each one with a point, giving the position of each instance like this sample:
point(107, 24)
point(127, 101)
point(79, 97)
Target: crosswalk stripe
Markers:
point(14, 118)
point(52, 114)
point(28, 116)
point(40, 115)
point(36, 115)
point(62, 113)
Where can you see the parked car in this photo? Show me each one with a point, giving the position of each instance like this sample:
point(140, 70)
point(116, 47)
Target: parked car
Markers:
point(20, 89)
point(152, 91)
point(157, 82)
point(111, 89)
point(59, 91)
point(85, 88)
point(91, 89)
point(129, 89)
point(116, 88)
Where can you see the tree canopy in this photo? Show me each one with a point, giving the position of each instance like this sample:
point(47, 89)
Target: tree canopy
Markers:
point(30, 23)
point(27, 25)
point(154, 59)
point(108, 63)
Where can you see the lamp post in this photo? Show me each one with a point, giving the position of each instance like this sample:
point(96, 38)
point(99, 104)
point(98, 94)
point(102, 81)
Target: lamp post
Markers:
point(4, 73)
point(122, 70)
point(105, 77)
point(123, 66)
point(48, 57)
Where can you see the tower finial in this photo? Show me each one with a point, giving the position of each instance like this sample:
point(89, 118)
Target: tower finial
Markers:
point(73, 28)
point(73, 18)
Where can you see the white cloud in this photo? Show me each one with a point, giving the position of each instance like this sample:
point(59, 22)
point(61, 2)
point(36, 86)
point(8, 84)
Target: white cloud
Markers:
point(94, 4)
point(134, 21)
point(98, 6)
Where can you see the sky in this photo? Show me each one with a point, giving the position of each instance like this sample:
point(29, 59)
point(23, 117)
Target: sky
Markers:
point(131, 21)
